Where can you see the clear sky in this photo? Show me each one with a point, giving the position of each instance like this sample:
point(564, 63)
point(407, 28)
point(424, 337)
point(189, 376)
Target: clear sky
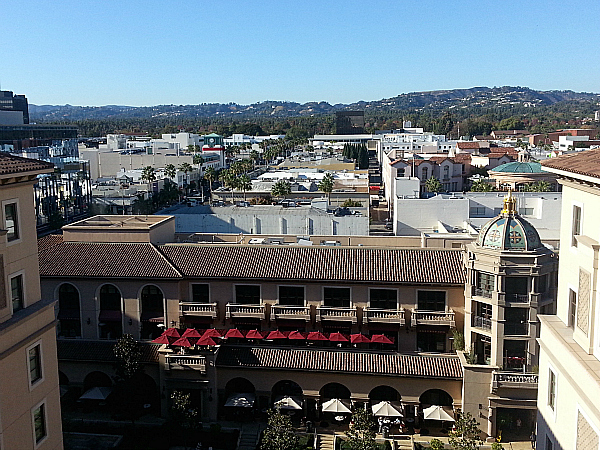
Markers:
point(131, 52)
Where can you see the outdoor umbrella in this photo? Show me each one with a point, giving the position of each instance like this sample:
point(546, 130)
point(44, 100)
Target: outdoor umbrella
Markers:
point(206, 341)
point(254, 334)
point(435, 412)
point(171, 332)
point(241, 400)
point(359, 339)
point(335, 405)
point(211, 332)
point(163, 339)
point(296, 335)
point(287, 402)
point(191, 333)
point(385, 409)
point(381, 339)
point(276, 335)
point(96, 393)
point(316, 336)
point(337, 337)
point(233, 333)
point(183, 342)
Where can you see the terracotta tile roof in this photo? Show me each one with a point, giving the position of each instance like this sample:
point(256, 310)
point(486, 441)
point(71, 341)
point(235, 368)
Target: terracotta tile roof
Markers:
point(357, 264)
point(390, 364)
point(462, 157)
point(85, 259)
point(10, 164)
point(586, 162)
point(467, 145)
point(84, 350)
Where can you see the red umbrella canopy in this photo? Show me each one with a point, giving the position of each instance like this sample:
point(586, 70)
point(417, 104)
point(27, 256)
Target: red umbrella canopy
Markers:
point(337, 337)
point(191, 332)
point(254, 334)
point(212, 333)
point(183, 342)
point(381, 339)
point(206, 341)
point(171, 332)
point(233, 333)
point(162, 339)
point(276, 335)
point(296, 335)
point(316, 336)
point(359, 339)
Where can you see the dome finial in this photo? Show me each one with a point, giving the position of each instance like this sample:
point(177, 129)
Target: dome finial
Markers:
point(510, 203)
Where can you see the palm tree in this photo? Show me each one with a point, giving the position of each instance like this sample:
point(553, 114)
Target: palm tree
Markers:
point(170, 171)
point(211, 175)
point(149, 174)
point(326, 185)
point(245, 184)
point(281, 188)
point(229, 179)
point(186, 168)
point(254, 156)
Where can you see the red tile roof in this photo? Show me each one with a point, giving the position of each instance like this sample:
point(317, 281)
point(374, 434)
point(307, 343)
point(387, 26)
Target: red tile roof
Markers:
point(467, 145)
point(356, 264)
point(10, 164)
point(328, 360)
point(586, 162)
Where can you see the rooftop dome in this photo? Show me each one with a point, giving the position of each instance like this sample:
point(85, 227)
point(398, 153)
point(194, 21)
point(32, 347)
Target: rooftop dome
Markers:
point(519, 167)
point(509, 231)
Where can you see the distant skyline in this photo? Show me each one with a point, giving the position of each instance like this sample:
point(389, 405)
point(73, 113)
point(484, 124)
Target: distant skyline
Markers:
point(136, 53)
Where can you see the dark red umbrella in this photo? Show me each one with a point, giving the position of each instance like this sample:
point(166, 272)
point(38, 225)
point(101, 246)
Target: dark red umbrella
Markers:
point(337, 337)
point(296, 335)
point(212, 333)
point(254, 334)
point(171, 332)
point(191, 333)
point(381, 339)
point(206, 341)
point(233, 333)
point(276, 335)
point(316, 336)
point(359, 339)
point(183, 342)
point(162, 339)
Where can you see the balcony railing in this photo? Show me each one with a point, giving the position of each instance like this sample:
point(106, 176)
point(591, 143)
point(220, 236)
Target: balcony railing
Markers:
point(384, 315)
point(198, 309)
point(336, 313)
point(432, 318)
point(248, 311)
point(186, 362)
point(485, 293)
point(482, 322)
point(290, 312)
point(519, 298)
point(515, 380)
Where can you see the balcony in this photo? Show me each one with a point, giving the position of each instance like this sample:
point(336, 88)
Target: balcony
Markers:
point(198, 309)
point(517, 298)
point(432, 318)
point(337, 313)
point(482, 323)
point(183, 362)
point(484, 293)
point(375, 315)
point(290, 312)
point(236, 310)
point(515, 380)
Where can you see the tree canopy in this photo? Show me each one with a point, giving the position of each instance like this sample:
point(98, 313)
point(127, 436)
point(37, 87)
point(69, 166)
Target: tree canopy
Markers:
point(279, 434)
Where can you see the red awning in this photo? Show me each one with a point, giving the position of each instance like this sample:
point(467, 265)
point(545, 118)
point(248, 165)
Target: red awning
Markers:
point(212, 333)
point(316, 336)
point(110, 316)
point(68, 314)
point(206, 341)
point(162, 339)
point(191, 333)
point(183, 342)
point(154, 317)
point(337, 337)
point(276, 335)
point(359, 339)
point(172, 332)
point(233, 333)
point(254, 334)
point(381, 339)
point(297, 335)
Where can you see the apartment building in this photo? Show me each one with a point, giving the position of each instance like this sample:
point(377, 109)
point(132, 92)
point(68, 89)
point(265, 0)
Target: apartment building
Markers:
point(569, 363)
point(29, 388)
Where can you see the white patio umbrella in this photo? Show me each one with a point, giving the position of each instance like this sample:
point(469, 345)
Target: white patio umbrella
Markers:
point(385, 409)
point(96, 393)
point(435, 412)
point(241, 400)
point(335, 405)
point(287, 402)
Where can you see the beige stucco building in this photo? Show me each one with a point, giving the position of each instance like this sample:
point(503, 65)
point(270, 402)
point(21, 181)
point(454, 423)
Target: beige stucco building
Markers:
point(29, 392)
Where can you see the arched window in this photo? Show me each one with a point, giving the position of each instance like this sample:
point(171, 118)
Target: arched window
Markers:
point(69, 319)
point(424, 173)
point(152, 312)
point(110, 319)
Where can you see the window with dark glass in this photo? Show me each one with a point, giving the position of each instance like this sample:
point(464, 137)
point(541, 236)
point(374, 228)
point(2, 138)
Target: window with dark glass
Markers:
point(542, 284)
point(11, 221)
point(69, 322)
point(515, 355)
point(200, 293)
point(485, 281)
point(35, 364)
point(247, 294)
point(383, 298)
point(432, 300)
point(336, 297)
point(431, 341)
point(110, 298)
point(16, 291)
point(572, 307)
point(515, 321)
point(39, 423)
point(551, 389)
point(576, 225)
point(110, 318)
point(291, 295)
point(516, 288)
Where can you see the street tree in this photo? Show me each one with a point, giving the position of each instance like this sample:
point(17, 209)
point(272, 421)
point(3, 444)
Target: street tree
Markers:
point(170, 171)
point(466, 434)
point(481, 186)
point(149, 174)
point(281, 189)
point(128, 394)
point(326, 185)
point(244, 184)
point(279, 434)
point(184, 415)
point(361, 434)
point(211, 175)
point(186, 168)
point(433, 185)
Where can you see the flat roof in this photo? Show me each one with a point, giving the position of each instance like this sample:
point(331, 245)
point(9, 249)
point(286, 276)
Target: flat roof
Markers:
point(101, 222)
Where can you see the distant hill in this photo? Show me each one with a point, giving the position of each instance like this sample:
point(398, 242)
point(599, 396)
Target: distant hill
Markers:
point(477, 97)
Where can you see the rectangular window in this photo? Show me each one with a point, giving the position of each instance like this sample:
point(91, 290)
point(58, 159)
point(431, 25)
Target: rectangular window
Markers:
point(515, 354)
point(477, 211)
point(432, 300)
point(576, 228)
point(16, 292)
point(549, 445)
point(485, 283)
point(291, 295)
point(247, 294)
point(39, 423)
point(35, 364)
point(336, 297)
point(516, 321)
point(572, 307)
point(11, 222)
point(516, 289)
point(383, 298)
point(200, 293)
point(431, 342)
point(526, 211)
point(551, 389)
point(542, 284)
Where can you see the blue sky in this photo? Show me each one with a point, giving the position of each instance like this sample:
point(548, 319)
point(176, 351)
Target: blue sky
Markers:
point(151, 52)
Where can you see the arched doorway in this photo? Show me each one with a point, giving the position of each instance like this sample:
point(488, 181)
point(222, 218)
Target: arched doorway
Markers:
point(335, 402)
point(384, 393)
point(240, 399)
point(287, 395)
point(437, 397)
point(69, 319)
point(96, 379)
point(110, 319)
point(335, 390)
point(152, 316)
